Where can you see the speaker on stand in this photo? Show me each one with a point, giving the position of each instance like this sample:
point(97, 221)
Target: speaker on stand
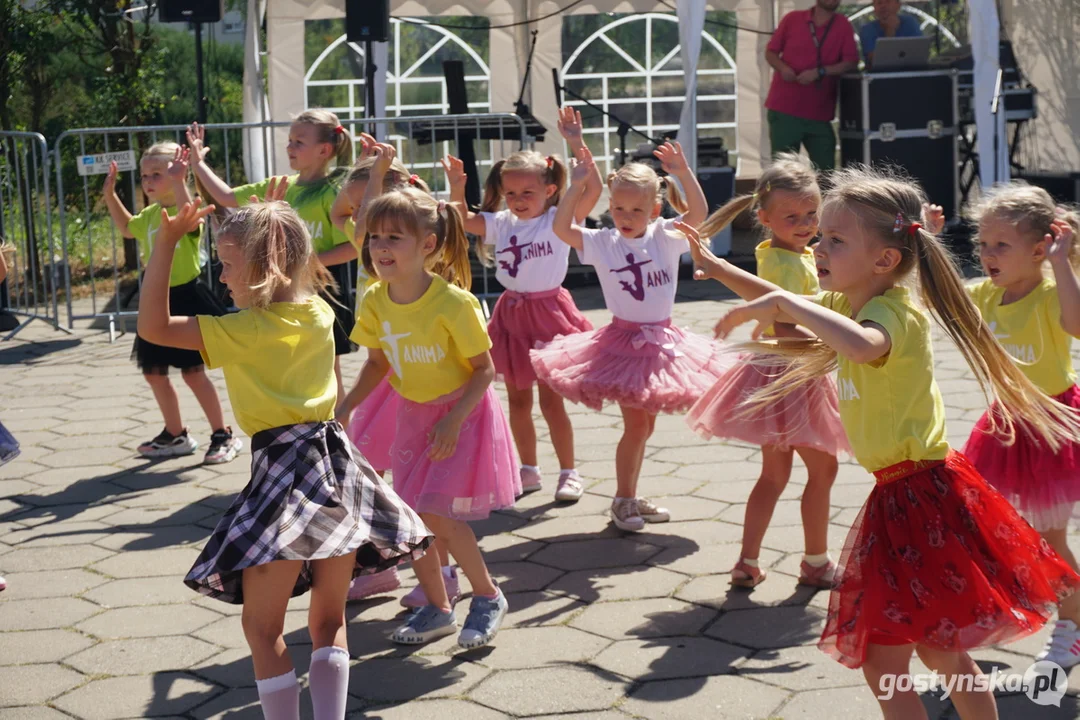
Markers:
point(368, 21)
point(195, 12)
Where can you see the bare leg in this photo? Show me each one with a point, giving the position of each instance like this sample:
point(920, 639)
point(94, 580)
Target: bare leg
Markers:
point(429, 574)
point(521, 422)
point(883, 667)
point(821, 469)
point(970, 703)
point(637, 427)
point(461, 541)
point(553, 408)
point(775, 472)
point(267, 589)
point(203, 388)
point(168, 402)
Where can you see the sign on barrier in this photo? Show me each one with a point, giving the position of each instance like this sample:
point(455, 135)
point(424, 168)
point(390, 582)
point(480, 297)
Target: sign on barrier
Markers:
point(99, 164)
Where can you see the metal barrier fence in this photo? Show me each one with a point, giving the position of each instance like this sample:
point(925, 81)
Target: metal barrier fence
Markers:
point(93, 252)
point(26, 222)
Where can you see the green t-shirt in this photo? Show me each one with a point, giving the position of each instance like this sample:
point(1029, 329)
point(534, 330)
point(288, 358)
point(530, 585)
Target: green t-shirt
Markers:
point(311, 202)
point(186, 263)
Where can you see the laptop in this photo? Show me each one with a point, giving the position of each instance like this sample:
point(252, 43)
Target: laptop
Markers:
point(902, 53)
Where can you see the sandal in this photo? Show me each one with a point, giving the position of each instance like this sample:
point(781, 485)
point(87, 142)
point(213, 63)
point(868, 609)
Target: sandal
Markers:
point(751, 577)
point(820, 577)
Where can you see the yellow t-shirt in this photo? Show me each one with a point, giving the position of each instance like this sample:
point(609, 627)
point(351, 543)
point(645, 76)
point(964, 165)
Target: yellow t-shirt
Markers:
point(278, 362)
point(186, 263)
point(311, 202)
point(791, 271)
point(1030, 331)
point(892, 408)
point(428, 342)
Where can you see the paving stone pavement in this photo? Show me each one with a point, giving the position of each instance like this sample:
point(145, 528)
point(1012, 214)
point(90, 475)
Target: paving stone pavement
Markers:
point(603, 625)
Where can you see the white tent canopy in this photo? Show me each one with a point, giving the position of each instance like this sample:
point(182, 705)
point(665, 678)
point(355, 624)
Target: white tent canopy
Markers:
point(285, 40)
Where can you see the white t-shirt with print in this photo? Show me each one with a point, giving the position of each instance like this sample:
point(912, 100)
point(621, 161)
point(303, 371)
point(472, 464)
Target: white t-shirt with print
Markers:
point(638, 276)
point(529, 257)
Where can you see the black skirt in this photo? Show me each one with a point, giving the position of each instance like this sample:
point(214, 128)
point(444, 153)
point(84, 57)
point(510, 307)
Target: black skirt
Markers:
point(188, 300)
point(343, 309)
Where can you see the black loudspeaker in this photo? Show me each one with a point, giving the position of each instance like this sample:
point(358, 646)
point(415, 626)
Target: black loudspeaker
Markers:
point(367, 20)
point(201, 11)
point(1064, 187)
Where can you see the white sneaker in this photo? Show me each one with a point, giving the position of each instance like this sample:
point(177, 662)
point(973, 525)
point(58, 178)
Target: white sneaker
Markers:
point(651, 512)
point(570, 488)
point(530, 481)
point(1063, 647)
point(626, 516)
point(168, 445)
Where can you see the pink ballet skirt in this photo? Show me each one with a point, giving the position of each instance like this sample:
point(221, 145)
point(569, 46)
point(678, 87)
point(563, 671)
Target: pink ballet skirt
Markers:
point(657, 367)
point(482, 475)
point(1041, 484)
point(806, 417)
point(373, 423)
point(521, 321)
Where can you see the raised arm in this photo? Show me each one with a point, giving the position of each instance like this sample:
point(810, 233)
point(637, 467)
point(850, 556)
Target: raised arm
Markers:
point(156, 324)
point(1068, 287)
point(571, 128)
point(563, 224)
point(119, 214)
point(674, 163)
point(177, 172)
point(219, 190)
point(707, 266)
point(456, 179)
point(858, 343)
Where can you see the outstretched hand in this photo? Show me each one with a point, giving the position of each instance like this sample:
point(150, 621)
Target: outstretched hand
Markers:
point(276, 189)
point(384, 154)
point(110, 179)
point(570, 126)
point(177, 168)
point(187, 219)
point(367, 145)
point(196, 138)
point(933, 218)
point(671, 158)
point(455, 171)
point(582, 166)
point(764, 311)
point(706, 265)
point(1059, 241)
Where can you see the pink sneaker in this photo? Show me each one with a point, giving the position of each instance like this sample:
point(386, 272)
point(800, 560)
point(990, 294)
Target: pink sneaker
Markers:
point(3, 583)
point(530, 481)
point(417, 599)
point(377, 584)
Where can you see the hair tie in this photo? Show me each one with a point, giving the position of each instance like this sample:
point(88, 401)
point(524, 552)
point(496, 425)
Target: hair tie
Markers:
point(899, 224)
point(442, 205)
point(754, 198)
point(768, 186)
point(550, 162)
point(339, 129)
point(913, 227)
point(413, 179)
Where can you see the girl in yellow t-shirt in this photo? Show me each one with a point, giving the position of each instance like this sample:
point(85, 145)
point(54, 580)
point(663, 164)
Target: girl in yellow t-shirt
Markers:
point(371, 427)
point(806, 422)
point(453, 458)
point(317, 140)
point(314, 514)
point(164, 171)
point(1035, 319)
point(938, 561)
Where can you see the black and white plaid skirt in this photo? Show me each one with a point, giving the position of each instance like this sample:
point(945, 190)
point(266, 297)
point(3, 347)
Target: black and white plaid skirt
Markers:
point(311, 496)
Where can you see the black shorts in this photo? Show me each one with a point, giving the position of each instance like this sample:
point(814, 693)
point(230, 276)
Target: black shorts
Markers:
point(190, 299)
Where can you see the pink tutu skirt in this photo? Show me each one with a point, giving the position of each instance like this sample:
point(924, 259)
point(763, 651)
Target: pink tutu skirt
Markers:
point(806, 417)
point(657, 367)
point(482, 475)
point(373, 423)
point(521, 321)
point(1041, 484)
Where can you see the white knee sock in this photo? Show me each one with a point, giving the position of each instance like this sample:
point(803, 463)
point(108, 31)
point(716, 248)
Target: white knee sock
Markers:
point(280, 697)
point(329, 681)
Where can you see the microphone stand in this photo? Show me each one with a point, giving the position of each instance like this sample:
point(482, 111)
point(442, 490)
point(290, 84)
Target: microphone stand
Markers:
point(995, 106)
point(624, 129)
point(520, 107)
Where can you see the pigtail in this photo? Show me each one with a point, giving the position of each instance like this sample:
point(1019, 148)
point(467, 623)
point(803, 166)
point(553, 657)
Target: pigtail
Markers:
point(556, 175)
point(726, 215)
point(454, 264)
point(493, 189)
point(343, 146)
point(674, 195)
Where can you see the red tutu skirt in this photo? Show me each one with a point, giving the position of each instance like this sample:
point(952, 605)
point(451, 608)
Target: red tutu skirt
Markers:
point(807, 417)
point(373, 424)
point(939, 558)
point(1043, 485)
point(482, 475)
point(521, 321)
point(657, 367)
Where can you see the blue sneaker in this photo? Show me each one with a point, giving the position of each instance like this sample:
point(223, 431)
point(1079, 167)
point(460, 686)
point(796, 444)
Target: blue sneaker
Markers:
point(484, 620)
point(424, 625)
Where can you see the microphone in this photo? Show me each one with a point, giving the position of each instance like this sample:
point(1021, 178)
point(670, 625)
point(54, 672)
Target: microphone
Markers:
point(558, 93)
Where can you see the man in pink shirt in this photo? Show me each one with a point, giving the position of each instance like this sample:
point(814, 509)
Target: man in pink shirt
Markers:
point(807, 51)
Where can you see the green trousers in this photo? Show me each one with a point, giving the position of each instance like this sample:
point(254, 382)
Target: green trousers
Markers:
point(787, 133)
